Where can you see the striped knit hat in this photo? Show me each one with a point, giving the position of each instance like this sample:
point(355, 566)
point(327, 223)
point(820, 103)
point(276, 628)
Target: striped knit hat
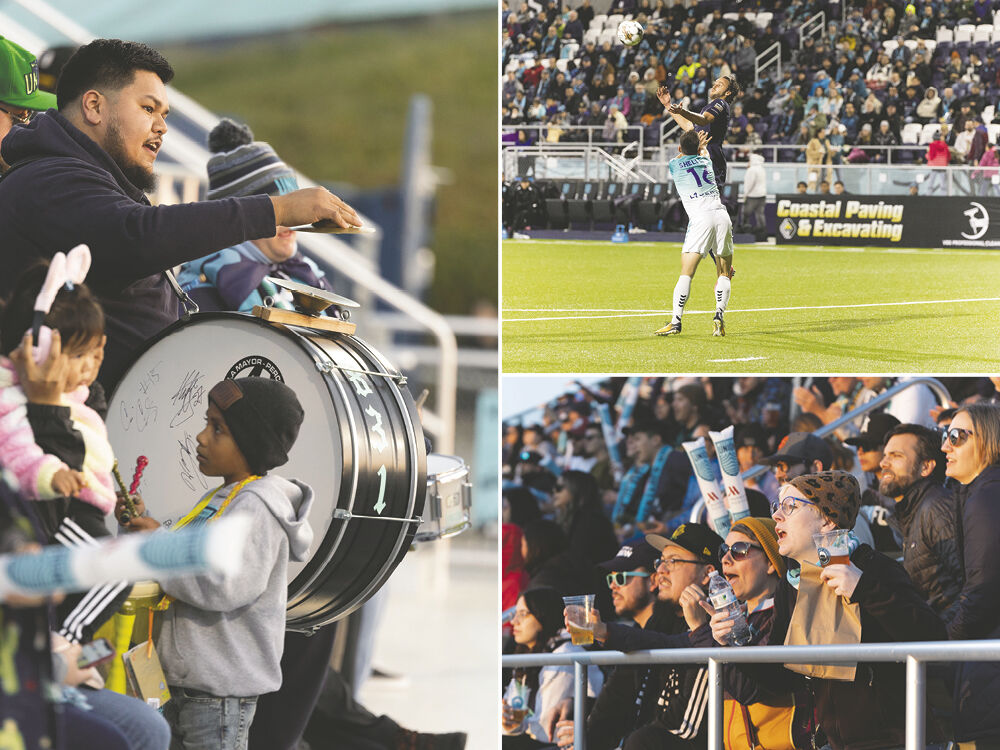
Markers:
point(762, 529)
point(241, 166)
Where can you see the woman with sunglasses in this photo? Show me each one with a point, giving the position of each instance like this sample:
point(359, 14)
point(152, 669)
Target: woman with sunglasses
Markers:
point(972, 447)
point(577, 503)
point(868, 711)
point(538, 629)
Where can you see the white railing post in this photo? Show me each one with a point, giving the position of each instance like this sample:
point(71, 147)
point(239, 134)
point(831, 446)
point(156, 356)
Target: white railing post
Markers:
point(579, 707)
point(714, 705)
point(916, 690)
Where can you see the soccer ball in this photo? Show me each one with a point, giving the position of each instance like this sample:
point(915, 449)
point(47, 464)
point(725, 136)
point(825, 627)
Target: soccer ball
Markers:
point(630, 33)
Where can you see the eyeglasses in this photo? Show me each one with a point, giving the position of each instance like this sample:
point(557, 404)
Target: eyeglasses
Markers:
point(788, 504)
point(22, 117)
point(669, 564)
point(956, 436)
point(740, 550)
point(518, 616)
point(620, 579)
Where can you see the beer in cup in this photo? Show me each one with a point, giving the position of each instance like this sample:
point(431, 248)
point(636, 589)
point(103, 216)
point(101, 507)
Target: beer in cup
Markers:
point(832, 547)
point(578, 609)
point(516, 698)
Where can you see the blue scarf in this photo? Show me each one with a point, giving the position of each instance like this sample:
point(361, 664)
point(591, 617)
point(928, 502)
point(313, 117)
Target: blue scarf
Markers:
point(650, 503)
point(629, 482)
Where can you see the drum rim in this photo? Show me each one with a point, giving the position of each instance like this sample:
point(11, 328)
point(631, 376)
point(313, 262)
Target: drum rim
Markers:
point(462, 470)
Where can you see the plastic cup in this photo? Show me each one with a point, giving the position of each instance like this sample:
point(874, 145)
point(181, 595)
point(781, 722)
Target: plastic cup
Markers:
point(578, 609)
point(832, 547)
point(516, 697)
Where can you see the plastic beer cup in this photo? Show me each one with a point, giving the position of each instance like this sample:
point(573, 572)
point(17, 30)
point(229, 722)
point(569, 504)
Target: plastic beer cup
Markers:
point(578, 609)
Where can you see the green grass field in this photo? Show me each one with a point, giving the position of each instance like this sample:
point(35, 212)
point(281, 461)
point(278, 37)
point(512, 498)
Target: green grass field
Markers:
point(592, 307)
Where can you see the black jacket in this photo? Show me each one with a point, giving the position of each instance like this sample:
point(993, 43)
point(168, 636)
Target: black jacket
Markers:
point(675, 697)
point(869, 712)
point(68, 190)
point(930, 523)
point(977, 615)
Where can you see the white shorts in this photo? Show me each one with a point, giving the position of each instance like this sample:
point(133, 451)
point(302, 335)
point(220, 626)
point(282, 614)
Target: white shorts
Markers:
point(712, 230)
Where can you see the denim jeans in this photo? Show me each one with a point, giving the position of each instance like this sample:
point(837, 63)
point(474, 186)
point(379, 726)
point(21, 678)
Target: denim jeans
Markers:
point(141, 725)
point(201, 721)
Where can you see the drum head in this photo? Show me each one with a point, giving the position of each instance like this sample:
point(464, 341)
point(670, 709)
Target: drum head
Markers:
point(360, 446)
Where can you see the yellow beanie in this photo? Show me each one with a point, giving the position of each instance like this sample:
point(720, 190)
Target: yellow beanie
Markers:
point(762, 529)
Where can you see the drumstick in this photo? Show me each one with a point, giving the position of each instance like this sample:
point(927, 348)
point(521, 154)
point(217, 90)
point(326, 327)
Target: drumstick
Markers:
point(331, 228)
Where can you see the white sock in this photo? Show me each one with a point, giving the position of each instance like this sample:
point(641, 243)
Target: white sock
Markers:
point(681, 292)
point(722, 289)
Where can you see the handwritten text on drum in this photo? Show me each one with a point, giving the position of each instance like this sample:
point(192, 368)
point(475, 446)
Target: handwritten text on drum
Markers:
point(141, 411)
point(188, 463)
point(378, 438)
point(188, 396)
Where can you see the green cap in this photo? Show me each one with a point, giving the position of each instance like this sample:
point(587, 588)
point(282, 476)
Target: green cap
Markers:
point(19, 78)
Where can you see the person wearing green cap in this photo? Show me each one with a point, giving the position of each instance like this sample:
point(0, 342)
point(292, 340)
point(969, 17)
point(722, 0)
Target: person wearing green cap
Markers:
point(20, 97)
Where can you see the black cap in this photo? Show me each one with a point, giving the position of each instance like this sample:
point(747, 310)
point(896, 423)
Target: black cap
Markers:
point(263, 416)
point(873, 436)
point(696, 538)
point(802, 446)
point(631, 556)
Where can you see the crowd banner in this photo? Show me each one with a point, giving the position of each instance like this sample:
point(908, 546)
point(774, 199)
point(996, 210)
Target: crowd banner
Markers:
point(888, 221)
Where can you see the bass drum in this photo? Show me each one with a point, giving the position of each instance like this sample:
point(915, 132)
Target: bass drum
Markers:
point(360, 448)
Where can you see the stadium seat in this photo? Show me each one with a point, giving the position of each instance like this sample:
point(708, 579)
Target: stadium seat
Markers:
point(983, 35)
point(561, 64)
point(624, 210)
point(944, 35)
point(993, 129)
point(889, 46)
point(970, 27)
point(731, 16)
point(989, 112)
point(931, 45)
point(609, 35)
point(911, 43)
point(911, 132)
point(578, 207)
point(763, 19)
point(650, 209)
point(599, 21)
point(602, 208)
point(963, 35)
point(928, 132)
point(613, 21)
point(569, 51)
point(591, 35)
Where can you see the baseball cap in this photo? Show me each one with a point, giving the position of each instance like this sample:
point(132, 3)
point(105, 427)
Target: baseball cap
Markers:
point(631, 556)
point(19, 78)
point(696, 538)
point(875, 431)
point(801, 446)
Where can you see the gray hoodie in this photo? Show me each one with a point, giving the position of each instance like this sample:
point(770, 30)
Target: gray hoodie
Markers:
point(755, 180)
point(224, 635)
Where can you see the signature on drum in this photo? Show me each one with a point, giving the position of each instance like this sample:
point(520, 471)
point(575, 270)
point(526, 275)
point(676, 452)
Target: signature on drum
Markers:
point(141, 412)
point(188, 463)
point(188, 395)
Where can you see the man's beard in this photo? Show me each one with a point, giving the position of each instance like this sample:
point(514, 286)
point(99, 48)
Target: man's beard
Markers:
point(896, 486)
point(137, 174)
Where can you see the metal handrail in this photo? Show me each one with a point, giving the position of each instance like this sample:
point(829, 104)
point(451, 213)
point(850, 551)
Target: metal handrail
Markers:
point(936, 386)
point(914, 654)
point(761, 64)
point(808, 28)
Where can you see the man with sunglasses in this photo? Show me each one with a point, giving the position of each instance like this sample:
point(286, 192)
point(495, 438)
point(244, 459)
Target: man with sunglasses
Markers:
point(20, 97)
point(664, 705)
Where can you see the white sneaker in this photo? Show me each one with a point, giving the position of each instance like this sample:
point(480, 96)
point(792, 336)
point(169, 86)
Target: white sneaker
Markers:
point(521, 236)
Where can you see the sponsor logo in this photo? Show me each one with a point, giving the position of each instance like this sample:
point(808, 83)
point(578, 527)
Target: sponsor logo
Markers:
point(787, 229)
point(979, 221)
point(255, 366)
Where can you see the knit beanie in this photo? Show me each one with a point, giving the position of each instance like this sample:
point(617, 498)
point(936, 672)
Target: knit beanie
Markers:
point(242, 166)
point(263, 416)
point(762, 529)
point(836, 493)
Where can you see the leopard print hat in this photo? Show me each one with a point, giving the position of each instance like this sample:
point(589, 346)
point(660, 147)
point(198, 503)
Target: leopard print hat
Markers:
point(837, 494)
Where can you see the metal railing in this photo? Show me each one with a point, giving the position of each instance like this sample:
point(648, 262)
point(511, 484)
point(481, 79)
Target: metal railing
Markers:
point(914, 655)
point(542, 128)
point(812, 26)
point(767, 58)
point(936, 386)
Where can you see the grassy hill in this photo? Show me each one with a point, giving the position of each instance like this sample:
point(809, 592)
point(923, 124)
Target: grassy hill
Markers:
point(333, 102)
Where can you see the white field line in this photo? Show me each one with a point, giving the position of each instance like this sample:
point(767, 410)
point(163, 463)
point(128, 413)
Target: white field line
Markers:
point(587, 316)
point(737, 359)
point(788, 248)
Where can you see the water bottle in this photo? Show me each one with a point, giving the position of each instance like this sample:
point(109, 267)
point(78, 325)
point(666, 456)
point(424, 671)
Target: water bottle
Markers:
point(721, 595)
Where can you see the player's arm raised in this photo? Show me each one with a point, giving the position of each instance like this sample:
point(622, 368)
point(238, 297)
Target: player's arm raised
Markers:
point(663, 94)
point(703, 139)
point(678, 111)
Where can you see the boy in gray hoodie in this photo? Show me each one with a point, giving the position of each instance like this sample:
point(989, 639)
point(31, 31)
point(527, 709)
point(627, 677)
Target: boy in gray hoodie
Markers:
point(221, 641)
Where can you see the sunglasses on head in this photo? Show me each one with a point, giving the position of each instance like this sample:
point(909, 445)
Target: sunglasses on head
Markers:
point(955, 435)
point(621, 578)
point(739, 550)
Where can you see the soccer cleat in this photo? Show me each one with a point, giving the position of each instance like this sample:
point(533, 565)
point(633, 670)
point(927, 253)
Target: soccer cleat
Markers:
point(718, 326)
point(670, 329)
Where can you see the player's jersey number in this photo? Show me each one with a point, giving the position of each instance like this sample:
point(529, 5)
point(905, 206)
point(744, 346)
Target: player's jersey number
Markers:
point(706, 176)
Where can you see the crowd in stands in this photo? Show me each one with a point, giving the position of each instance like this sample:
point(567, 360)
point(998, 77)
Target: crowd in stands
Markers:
point(875, 76)
point(916, 483)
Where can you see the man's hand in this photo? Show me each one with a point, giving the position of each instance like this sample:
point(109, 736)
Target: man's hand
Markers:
point(600, 629)
point(559, 716)
point(68, 482)
point(690, 601)
point(564, 734)
point(810, 400)
point(44, 383)
point(676, 108)
point(843, 579)
point(309, 205)
point(663, 94)
point(140, 522)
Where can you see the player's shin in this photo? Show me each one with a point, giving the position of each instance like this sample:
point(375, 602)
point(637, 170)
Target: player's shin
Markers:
point(723, 287)
point(681, 292)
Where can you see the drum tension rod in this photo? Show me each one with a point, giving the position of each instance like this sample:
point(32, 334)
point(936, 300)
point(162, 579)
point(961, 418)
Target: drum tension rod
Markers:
point(329, 367)
point(344, 515)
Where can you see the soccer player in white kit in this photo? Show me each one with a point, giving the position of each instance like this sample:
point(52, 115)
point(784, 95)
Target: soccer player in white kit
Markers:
point(709, 228)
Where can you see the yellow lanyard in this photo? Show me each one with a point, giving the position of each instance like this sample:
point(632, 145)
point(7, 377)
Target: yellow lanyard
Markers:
point(166, 600)
point(207, 498)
